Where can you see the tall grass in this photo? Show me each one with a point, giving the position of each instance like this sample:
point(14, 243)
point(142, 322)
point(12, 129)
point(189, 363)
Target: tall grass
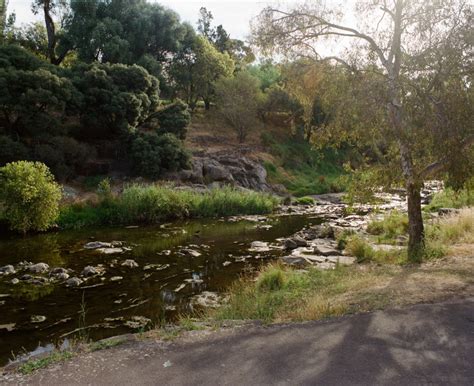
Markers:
point(153, 204)
point(449, 198)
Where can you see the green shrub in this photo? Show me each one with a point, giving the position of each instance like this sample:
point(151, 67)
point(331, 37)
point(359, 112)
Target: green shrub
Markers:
point(153, 154)
point(360, 249)
point(391, 226)
point(450, 198)
point(29, 196)
point(174, 119)
point(272, 279)
point(11, 150)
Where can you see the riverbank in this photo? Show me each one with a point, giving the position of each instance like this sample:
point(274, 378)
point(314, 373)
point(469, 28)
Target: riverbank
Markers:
point(153, 204)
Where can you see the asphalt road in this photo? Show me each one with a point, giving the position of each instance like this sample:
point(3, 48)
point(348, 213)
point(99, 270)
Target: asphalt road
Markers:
point(422, 344)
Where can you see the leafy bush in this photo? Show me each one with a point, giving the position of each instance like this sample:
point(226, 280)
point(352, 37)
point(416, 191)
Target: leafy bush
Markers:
point(450, 198)
point(272, 279)
point(174, 119)
point(29, 196)
point(11, 150)
point(391, 226)
point(153, 154)
point(360, 249)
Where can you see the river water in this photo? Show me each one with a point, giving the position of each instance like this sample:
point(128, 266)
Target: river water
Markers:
point(164, 284)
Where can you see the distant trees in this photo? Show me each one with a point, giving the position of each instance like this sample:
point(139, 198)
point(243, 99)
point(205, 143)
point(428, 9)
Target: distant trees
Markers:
point(240, 99)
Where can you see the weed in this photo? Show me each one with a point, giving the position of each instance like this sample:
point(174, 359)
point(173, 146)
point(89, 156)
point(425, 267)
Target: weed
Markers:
point(306, 200)
point(106, 343)
point(359, 248)
point(35, 364)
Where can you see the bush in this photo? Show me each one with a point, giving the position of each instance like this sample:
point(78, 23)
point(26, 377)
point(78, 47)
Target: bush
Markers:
point(272, 279)
point(174, 119)
point(11, 150)
point(450, 198)
point(153, 154)
point(29, 196)
point(359, 248)
point(391, 226)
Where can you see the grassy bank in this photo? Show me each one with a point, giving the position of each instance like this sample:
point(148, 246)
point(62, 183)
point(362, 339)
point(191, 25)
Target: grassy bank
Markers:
point(281, 293)
point(153, 204)
point(304, 170)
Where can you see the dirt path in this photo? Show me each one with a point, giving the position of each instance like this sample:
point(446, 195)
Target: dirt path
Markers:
point(421, 344)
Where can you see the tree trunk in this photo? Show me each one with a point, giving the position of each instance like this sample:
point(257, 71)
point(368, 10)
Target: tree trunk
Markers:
point(50, 31)
point(416, 233)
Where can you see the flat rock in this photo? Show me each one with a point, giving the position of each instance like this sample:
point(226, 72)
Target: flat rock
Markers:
point(112, 250)
point(297, 261)
point(89, 271)
point(207, 299)
point(342, 260)
point(116, 278)
point(129, 263)
point(259, 246)
point(37, 318)
point(97, 244)
point(326, 250)
point(39, 268)
point(73, 282)
point(7, 269)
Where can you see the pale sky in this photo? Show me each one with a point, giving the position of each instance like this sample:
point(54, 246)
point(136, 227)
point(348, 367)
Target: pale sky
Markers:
point(234, 15)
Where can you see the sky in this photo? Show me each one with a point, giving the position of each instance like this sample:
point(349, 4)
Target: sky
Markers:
point(234, 15)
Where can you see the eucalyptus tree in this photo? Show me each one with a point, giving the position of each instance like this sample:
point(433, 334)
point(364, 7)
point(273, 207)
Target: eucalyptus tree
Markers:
point(416, 57)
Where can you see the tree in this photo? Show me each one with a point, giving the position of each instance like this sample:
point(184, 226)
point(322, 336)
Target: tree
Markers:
point(174, 119)
point(29, 196)
point(239, 100)
point(115, 99)
point(198, 68)
point(52, 8)
point(3, 17)
point(153, 154)
point(414, 50)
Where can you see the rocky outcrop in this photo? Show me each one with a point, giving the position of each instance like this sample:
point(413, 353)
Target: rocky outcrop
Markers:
point(224, 168)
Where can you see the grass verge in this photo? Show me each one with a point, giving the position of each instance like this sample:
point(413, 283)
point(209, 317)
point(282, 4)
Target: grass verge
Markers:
point(153, 204)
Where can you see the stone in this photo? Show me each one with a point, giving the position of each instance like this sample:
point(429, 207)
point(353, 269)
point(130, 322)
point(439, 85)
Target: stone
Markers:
point(137, 322)
point(325, 250)
point(207, 299)
point(259, 246)
point(89, 271)
point(37, 318)
point(15, 281)
point(62, 276)
point(39, 268)
point(342, 260)
point(297, 261)
point(116, 278)
point(109, 251)
point(323, 231)
point(9, 327)
point(190, 252)
point(74, 282)
point(7, 269)
point(226, 263)
point(97, 245)
point(295, 242)
point(129, 263)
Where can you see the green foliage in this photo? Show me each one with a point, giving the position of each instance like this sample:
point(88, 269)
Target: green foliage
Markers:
point(305, 200)
point(153, 154)
point(116, 98)
point(36, 364)
point(272, 279)
point(174, 119)
point(267, 73)
point(304, 170)
point(239, 101)
point(29, 196)
point(153, 204)
point(392, 225)
point(11, 150)
point(449, 198)
point(359, 248)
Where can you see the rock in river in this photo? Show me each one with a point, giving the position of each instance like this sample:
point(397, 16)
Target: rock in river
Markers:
point(130, 263)
point(37, 318)
point(89, 271)
point(39, 268)
point(73, 282)
point(7, 270)
point(259, 246)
